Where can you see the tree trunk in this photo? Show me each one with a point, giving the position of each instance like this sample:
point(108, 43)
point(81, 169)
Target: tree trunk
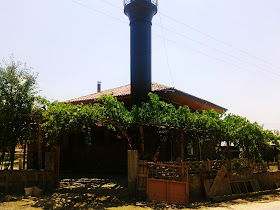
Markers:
point(2, 160)
point(12, 157)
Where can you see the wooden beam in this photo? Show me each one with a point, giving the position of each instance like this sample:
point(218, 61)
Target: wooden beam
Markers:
point(182, 146)
point(217, 181)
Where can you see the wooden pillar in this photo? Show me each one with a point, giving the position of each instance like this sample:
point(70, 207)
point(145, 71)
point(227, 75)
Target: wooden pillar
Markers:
point(40, 138)
point(24, 154)
point(142, 139)
point(203, 142)
point(182, 146)
point(132, 167)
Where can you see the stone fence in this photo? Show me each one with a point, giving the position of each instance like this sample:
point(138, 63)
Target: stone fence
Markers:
point(15, 181)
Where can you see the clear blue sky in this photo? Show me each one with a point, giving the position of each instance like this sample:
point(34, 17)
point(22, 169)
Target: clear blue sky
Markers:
point(226, 52)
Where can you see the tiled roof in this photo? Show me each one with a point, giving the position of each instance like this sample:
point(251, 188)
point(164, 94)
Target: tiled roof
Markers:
point(119, 91)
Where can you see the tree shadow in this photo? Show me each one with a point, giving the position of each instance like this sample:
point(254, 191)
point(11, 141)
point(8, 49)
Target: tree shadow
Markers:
point(97, 193)
point(105, 191)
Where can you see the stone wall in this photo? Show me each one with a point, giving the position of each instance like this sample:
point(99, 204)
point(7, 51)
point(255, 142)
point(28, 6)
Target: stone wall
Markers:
point(15, 181)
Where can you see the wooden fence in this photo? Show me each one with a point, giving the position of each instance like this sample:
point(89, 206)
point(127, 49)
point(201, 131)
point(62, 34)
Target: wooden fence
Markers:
point(201, 167)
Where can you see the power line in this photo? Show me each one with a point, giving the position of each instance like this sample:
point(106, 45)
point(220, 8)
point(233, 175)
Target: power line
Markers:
point(220, 51)
point(212, 37)
point(212, 57)
point(167, 60)
point(201, 43)
point(229, 45)
point(105, 14)
point(112, 4)
point(98, 11)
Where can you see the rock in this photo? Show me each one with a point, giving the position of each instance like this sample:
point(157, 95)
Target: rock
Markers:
point(37, 191)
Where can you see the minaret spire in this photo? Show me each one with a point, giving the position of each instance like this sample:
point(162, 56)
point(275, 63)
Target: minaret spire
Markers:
point(140, 13)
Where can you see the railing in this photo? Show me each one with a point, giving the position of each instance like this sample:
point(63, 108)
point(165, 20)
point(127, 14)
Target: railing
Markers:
point(126, 2)
point(167, 171)
point(259, 167)
point(215, 165)
point(5, 161)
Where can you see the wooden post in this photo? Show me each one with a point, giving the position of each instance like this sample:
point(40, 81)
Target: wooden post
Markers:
point(182, 152)
point(24, 154)
point(209, 165)
point(203, 142)
point(132, 167)
point(142, 139)
point(182, 146)
point(40, 137)
point(20, 165)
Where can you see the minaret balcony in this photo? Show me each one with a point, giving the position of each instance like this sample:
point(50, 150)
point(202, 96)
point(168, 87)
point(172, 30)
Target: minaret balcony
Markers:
point(126, 2)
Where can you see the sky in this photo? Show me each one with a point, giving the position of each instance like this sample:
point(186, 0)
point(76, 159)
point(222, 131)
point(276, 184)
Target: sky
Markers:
point(226, 52)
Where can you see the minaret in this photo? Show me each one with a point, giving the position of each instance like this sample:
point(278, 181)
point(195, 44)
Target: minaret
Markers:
point(140, 13)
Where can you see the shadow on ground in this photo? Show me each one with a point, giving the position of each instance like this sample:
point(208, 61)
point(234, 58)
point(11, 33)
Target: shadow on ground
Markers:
point(94, 192)
point(105, 192)
point(90, 192)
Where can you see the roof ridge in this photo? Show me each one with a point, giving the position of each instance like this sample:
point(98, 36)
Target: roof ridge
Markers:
point(117, 89)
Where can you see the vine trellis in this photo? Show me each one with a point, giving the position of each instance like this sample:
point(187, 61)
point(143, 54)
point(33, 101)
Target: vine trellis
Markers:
point(60, 118)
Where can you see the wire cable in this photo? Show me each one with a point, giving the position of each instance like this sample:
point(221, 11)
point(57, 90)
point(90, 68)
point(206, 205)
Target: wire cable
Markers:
point(171, 41)
point(201, 43)
point(217, 50)
point(229, 45)
point(212, 37)
point(212, 57)
point(165, 49)
point(98, 11)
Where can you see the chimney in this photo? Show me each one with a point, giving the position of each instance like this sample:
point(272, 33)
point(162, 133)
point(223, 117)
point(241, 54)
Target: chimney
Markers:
point(140, 14)
point(98, 86)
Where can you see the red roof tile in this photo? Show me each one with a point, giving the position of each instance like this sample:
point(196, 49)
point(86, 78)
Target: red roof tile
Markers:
point(119, 91)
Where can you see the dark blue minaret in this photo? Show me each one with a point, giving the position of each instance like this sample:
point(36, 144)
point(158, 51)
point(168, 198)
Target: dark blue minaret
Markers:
point(140, 13)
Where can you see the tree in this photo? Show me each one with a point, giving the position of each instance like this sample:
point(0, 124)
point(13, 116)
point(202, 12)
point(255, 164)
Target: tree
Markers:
point(17, 101)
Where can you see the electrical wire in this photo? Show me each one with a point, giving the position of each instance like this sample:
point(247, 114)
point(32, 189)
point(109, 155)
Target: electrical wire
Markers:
point(201, 43)
point(218, 40)
point(165, 49)
point(215, 58)
point(100, 12)
point(229, 45)
point(220, 51)
point(205, 54)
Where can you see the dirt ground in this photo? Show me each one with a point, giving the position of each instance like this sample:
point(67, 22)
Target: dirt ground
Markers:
point(111, 193)
point(271, 201)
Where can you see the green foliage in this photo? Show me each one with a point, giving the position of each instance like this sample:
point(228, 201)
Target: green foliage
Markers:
point(17, 100)
point(60, 118)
